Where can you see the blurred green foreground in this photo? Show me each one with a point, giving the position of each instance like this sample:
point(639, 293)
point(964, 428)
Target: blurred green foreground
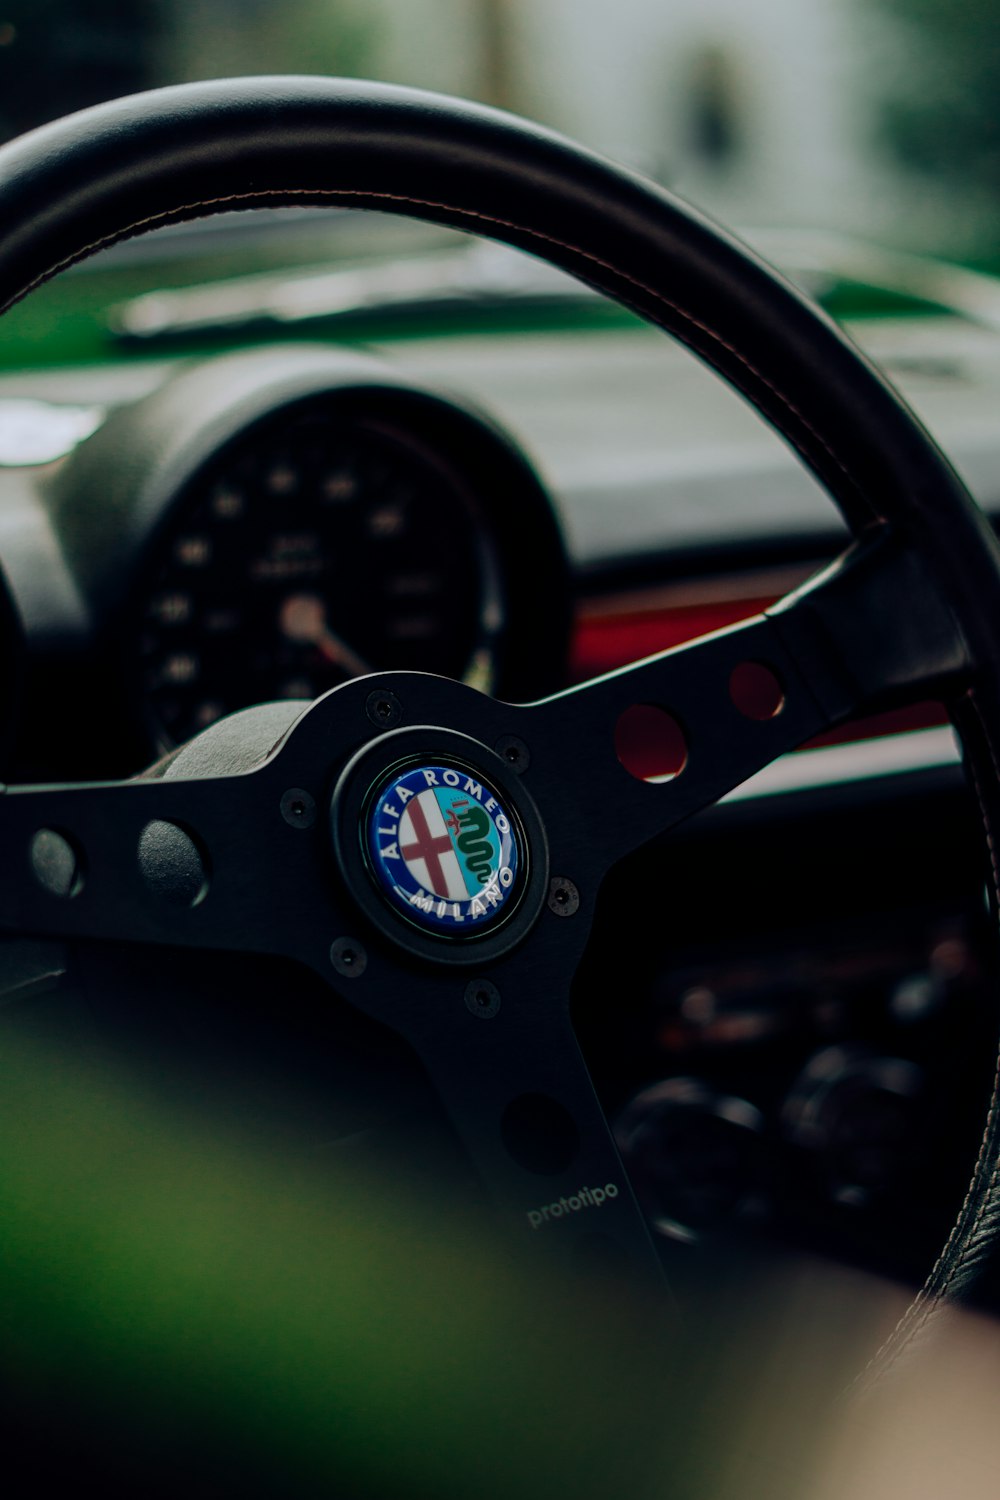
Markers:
point(184, 1315)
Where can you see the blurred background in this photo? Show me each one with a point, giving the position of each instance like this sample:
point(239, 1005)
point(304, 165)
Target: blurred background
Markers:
point(878, 117)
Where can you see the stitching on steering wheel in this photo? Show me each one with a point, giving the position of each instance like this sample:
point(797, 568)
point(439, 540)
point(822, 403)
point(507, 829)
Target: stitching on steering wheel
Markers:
point(925, 1303)
point(995, 1097)
point(470, 214)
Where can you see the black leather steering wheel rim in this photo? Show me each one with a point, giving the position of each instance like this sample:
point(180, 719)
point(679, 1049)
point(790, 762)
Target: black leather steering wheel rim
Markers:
point(176, 154)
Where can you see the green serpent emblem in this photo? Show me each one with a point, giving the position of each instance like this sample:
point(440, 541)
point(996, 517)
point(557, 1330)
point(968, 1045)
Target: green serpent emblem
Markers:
point(476, 850)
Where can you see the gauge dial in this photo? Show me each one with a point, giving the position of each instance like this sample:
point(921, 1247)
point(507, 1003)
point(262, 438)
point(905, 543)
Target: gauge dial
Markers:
point(313, 550)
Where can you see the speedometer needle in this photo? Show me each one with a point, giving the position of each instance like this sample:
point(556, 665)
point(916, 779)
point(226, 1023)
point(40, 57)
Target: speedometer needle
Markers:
point(302, 618)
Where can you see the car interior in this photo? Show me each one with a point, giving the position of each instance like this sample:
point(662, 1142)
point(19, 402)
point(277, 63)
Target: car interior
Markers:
point(734, 683)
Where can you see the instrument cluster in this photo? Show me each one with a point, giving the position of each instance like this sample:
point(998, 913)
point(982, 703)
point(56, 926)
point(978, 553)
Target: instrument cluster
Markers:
point(268, 524)
point(315, 550)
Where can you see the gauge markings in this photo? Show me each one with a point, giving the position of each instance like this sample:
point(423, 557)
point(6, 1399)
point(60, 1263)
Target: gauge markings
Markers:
point(387, 520)
point(282, 478)
point(193, 551)
point(340, 486)
point(171, 609)
point(180, 667)
point(305, 556)
point(227, 503)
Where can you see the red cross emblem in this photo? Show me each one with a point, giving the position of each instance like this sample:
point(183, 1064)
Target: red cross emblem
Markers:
point(427, 848)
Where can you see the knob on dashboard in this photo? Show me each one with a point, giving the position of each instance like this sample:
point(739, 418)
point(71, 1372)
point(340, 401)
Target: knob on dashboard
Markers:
point(696, 1158)
point(853, 1111)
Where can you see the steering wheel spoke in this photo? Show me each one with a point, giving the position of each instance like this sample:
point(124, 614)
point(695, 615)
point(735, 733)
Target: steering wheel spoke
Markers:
point(872, 630)
point(504, 1059)
point(206, 863)
point(656, 742)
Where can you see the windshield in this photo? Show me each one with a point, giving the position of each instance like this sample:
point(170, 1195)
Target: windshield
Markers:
point(879, 117)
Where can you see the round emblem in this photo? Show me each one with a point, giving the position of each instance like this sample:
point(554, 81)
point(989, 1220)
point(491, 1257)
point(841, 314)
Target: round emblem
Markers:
point(443, 849)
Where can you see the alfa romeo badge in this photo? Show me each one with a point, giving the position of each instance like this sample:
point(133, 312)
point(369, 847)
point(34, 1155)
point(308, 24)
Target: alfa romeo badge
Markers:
point(443, 849)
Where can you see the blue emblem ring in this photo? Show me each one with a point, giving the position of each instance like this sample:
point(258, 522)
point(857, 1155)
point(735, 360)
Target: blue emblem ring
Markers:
point(442, 849)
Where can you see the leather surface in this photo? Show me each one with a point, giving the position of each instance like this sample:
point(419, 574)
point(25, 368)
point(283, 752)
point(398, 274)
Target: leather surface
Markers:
point(185, 152)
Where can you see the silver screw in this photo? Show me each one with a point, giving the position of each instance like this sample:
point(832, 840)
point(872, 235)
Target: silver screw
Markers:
point(383, 708)
point(348, 958)
point(297, 808)
point(564, 898)
point(514, 751)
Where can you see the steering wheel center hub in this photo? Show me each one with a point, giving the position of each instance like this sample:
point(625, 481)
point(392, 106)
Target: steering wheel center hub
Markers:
point(443, 850)
point(440, 844)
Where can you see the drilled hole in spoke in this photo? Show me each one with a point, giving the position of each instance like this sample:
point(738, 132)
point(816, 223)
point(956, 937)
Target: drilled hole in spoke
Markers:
point(650, 743)
point(171, 864)
point(756, 690)
point(56, 863)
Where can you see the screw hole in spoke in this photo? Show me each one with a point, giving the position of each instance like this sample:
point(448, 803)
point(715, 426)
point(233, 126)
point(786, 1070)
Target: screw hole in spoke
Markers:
point(348, 958)
point(482, 998)
point(650, 743)
point(383, 709)
point(171, 864)
point(298, 808)
point(514, 751)
point(756, 691)
point(56, 863)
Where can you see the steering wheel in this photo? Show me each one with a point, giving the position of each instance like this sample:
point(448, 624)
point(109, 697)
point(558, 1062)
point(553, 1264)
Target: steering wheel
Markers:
point(432, 854)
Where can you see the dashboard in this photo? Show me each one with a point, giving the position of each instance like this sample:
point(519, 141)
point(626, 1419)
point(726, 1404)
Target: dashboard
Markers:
point(269, 524)
point(796, 1049)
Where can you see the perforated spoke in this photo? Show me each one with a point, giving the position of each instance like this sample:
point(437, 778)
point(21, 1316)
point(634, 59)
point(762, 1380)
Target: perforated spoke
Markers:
point(220, 863)
point(627, 757)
